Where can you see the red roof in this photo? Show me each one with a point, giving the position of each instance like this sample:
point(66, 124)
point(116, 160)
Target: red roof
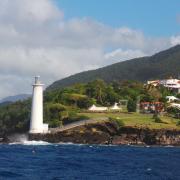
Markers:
point(151, 102)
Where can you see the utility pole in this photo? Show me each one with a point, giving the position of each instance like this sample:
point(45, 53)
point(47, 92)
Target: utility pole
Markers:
point(138, 104)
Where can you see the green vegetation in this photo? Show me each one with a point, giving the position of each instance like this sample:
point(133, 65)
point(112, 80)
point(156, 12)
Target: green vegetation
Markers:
point(131, 106)
point(178, 123)
point(63, 106)
point(157, 119)
point(138, 120)
point(117, 120)
point(15, 117)
point(158, 66)
point(175, 112)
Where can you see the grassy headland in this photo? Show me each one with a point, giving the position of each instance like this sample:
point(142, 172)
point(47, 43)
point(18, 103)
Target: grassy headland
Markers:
point(138, 120)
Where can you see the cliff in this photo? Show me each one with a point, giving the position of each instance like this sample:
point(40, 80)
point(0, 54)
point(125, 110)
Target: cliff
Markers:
point(110, 133)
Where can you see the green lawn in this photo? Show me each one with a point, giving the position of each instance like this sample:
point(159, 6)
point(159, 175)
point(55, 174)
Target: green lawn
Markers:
point(138, 120)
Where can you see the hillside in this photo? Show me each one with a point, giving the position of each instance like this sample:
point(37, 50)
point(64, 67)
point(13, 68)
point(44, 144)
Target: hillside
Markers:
point(161, 65)
point(19, 97)
point(69, 105)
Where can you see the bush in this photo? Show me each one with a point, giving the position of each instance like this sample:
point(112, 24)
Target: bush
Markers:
point(73, 117)
point(119, 122)
point(174, 112)
point(157, 119)
point(55, 123)
point(178, 123)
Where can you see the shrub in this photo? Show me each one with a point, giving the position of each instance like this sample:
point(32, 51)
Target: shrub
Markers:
point(119, 122)
point(72, 117)
point(157, 119)
point(178, 123)
point(55, 123)
point(172, 110)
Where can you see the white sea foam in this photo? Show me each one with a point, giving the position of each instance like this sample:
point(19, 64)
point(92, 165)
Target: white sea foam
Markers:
point(31, 143)
point(67, 143)
point(18, 138)
point(148, 169)
point(169, 146)
point(23, 140)
point(36, 143)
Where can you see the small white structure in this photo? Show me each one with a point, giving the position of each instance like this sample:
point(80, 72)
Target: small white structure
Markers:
point(36, 122)
point(171, 98)
point(115, 107)
point(97, 109)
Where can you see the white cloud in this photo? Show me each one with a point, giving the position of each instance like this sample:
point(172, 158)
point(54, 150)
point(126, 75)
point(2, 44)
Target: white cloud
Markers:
point(25, 11)
point(175, 40)
point(35, 39)
point(122, 55)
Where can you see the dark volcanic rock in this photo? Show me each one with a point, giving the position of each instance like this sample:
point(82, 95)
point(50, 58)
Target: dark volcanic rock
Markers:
point(88, 134)
point(131, 135)
point(4, 139)
point(110, 133)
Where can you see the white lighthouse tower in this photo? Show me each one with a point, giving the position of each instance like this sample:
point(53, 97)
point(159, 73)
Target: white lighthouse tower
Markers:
point(36, 123)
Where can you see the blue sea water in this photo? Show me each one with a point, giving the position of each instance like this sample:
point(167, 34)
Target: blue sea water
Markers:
point(62, 161)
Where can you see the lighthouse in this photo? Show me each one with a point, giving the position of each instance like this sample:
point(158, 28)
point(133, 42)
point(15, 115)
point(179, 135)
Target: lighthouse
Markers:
point(36, 122)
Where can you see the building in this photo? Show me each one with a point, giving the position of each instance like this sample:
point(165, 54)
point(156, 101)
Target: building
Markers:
point(36, 122)
point(172, 84)
point(151, 106)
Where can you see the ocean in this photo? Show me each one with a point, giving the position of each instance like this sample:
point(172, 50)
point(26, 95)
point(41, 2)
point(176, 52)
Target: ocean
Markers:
point(44, 161)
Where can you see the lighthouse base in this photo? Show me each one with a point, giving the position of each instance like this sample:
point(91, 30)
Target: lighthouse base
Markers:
point(45, 129)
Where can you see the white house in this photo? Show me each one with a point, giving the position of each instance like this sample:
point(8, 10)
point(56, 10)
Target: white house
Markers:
point(173, 84)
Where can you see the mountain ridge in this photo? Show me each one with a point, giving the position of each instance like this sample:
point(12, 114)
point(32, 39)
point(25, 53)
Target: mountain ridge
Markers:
point(18, 97)
point(160, 65)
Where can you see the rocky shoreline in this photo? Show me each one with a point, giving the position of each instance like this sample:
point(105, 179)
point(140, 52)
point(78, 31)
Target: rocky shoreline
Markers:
point(109, 133)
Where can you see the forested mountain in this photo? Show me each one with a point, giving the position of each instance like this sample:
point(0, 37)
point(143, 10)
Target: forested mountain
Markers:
point(161, 65)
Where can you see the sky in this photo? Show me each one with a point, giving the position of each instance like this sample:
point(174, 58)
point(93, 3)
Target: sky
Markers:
point(149, 16)
point(58, 38)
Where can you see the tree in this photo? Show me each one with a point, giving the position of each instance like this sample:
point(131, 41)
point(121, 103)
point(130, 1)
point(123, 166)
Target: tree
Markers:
point(78, 100)
point(111, 96)
point(96, 89)
point(54, 112)
point(153, 92)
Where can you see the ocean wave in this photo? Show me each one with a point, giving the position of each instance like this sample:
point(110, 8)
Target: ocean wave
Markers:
point(31, 143)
